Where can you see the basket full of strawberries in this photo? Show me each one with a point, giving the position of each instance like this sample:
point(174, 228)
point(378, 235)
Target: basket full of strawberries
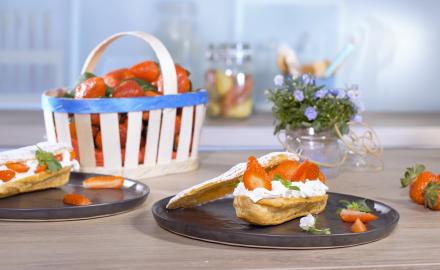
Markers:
point(137, 122)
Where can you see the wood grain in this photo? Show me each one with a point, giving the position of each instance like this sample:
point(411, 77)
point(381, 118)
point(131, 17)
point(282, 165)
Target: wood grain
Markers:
point(134, 241)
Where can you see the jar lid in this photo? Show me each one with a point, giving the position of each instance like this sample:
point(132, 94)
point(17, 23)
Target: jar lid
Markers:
point(235, 52)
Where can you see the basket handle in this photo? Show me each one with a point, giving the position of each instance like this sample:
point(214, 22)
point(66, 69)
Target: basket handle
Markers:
point(165, 61)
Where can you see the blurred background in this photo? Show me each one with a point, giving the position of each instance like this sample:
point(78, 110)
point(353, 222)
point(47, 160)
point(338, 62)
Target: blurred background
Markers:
point(395, 59)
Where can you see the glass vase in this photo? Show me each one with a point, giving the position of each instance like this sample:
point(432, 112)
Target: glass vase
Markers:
point(323, 148)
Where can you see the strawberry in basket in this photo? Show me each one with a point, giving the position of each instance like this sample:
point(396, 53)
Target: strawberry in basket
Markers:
point(141, 80)
point(131, 120)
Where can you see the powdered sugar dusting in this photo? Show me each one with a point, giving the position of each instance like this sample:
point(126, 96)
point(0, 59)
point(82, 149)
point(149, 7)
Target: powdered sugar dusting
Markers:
point(232, 173)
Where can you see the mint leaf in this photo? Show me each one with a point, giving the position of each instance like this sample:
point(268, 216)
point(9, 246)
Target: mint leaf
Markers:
point(47, 158)
point(285, 183)
point(360, 205)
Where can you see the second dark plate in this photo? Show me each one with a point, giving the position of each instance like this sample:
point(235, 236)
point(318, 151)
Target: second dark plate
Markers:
point(217, 222)
point(48, 204)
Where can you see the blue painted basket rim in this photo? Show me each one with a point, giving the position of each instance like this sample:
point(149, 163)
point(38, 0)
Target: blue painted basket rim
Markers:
point(122, 105)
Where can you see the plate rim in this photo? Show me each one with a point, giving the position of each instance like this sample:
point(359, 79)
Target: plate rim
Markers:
point(391, 226)
point(146, 191)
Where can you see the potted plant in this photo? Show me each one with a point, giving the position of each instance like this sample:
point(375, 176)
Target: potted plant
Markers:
point(311, 116)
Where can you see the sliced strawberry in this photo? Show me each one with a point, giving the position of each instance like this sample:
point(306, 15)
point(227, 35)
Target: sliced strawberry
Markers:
point(99, 182)
point(41, 168)
point(285, 169)
point(17, 167)
point(306, 170)
point(255, 176)
point(76, 199)
point(358, 226)
point(59, 157)
point(348, 215)
point(6, 175)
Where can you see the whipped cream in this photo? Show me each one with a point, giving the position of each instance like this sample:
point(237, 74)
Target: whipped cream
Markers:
point(310, 188)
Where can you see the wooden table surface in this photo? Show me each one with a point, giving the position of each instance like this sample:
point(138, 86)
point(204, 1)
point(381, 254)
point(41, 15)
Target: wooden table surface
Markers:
point(134, 241)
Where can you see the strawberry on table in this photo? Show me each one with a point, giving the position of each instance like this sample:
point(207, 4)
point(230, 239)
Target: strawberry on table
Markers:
point(76, 199)
point(104, 182)
point(432, 196)
point(255, 175)
point(348, 215)
point(91, 88)
point(417, 188)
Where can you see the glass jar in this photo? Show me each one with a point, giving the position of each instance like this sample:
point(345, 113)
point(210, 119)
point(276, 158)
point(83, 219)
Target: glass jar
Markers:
point(323, 148)
point(229, 80)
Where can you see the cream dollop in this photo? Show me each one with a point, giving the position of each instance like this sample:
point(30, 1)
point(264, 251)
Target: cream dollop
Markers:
point(310, 188)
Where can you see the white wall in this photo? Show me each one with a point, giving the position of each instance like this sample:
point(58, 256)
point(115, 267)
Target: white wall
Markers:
point(395, 63)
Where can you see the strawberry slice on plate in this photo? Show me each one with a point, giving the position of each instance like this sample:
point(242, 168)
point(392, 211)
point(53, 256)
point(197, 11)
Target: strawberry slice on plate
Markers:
point(348, 215)
point(100, 182)
point(256, 176)
point(358, 226)
point(76, 199)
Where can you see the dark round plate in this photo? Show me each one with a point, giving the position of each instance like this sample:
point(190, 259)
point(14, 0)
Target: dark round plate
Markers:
point(48, 204)
point(217, 222)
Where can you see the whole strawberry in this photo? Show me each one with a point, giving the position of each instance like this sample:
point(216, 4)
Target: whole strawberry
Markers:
point(418, 179)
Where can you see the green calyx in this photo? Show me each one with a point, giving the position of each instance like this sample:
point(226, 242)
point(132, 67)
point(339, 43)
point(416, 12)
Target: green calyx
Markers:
point(411, 174)
point(431, 194)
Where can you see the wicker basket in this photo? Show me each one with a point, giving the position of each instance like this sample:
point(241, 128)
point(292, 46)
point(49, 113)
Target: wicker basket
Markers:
point(159, 159)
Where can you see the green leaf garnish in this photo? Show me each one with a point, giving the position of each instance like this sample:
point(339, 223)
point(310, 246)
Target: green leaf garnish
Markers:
point(285, 183)
point(317, 231)
point(360, 205)
point(411, 174)
point(47, 158)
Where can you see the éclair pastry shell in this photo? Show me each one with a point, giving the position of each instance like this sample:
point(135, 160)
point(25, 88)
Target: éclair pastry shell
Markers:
point(275, 211)
point(224, 184)
point(39, 181)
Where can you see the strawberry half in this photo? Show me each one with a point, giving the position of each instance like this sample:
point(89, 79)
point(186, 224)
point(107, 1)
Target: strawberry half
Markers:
point(306, 170)
point(76, 199)
point(99, 182)
point(255, 176)
point(358, 226)
point(348, 215)
point(285, 169)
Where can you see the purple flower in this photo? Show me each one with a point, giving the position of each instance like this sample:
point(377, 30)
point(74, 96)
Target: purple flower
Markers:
point(321, 93)
point(341, 94)
point(357, 118)
point(299, 95)
point(278, 80)
point(334, 91)
point(307, 79)
point(311, 113)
